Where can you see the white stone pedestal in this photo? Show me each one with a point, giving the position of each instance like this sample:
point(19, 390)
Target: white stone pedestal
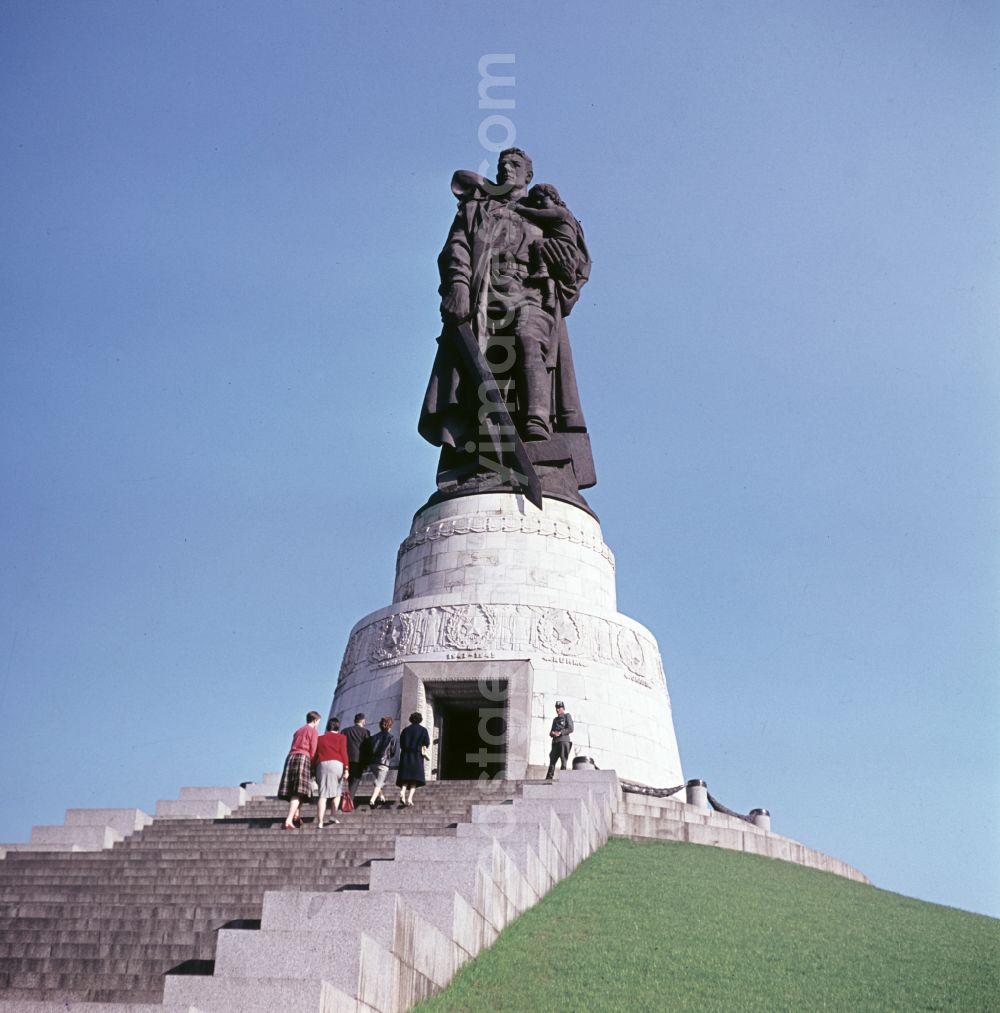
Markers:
point(501, 609)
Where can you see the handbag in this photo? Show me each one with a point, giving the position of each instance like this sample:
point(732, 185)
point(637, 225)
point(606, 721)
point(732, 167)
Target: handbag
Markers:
point(425, 753)
point(346, 803)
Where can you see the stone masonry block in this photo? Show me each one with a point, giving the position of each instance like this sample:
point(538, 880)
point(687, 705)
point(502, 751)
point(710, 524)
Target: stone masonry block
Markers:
point(601, 738)
point(813, 859)
point(779, 847)
point(603, 786)
point(255, 790)
point(31, 1006)
point(625, 744)
point(255, 995)
point(755, 844)
point(657, 828)
point(544, 681)
point(232, 797)
point(475, 882)
point(431, 953)
point(471, 927)
point(332, 957)
point(185, 809)
point(5, 848)
point(570, 812)
point(638, 805)
point(516, 891)
point(84, 837)
point(421, 877)
point(546, 827)
point(796, 852)
point(394, 925)
point(541, 874)
point(694, 815)
point(716, 837)
point(571, 685)
point(380, 975)
point(595, 814)
point(534, 881)
point(721, 820)
point(673, 805)
point(291, 910)
point(453, 916)
point(123, 821)
point(597, 820)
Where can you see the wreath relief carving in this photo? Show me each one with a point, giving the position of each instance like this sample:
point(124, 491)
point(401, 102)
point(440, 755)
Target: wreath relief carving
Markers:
point(630, 650)
point(392, 637)
point(469, 628)
point(558, 631)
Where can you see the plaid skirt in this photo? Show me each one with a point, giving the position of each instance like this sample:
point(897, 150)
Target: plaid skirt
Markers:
point(296, 778)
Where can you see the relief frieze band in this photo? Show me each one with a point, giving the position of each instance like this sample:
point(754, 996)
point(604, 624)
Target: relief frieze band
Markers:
point(479, 630)
point(516, 523)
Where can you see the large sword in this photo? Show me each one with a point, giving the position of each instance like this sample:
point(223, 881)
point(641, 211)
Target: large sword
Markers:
point(512, 461)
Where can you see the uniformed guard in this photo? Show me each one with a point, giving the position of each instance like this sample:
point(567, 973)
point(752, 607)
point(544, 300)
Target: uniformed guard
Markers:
point(562, 729)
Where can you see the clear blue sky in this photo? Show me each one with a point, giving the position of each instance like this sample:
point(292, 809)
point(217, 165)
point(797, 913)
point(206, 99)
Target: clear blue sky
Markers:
point(218, 307)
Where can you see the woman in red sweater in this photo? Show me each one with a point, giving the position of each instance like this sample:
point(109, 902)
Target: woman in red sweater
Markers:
point(296, 778)
point(331, 762)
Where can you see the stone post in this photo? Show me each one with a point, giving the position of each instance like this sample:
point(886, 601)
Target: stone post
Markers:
point(761, 818)
point(697, 795)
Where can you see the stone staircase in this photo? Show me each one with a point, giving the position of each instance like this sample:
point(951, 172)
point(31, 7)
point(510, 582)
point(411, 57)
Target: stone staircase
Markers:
point(106, 926)
point(237, 915)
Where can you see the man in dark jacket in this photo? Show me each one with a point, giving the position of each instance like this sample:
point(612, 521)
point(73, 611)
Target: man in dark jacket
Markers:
point(357, 752)
point(562, 729)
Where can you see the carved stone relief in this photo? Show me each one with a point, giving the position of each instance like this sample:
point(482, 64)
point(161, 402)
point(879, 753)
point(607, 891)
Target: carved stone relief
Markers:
point(522, 524)
point(558, 635)
point(469, 627)
point(630, 650)
point(558, 631)
point(392, 637)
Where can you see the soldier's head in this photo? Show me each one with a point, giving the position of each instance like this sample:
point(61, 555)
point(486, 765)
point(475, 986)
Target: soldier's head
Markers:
point(514, 169)
point(560, 707)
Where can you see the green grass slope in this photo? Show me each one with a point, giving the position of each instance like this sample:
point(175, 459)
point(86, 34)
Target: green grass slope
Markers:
point(664, 926)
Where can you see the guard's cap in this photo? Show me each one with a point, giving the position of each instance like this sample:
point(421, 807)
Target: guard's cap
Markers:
point(559, 703)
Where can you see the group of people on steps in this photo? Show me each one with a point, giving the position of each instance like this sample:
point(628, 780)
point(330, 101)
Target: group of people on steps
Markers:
point(338, 760)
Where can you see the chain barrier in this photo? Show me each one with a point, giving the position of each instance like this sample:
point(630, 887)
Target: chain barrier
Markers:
point(719, 807)
point(642, 789)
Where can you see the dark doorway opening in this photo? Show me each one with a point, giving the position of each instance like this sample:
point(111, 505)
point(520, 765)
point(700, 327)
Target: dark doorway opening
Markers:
point(470, 730)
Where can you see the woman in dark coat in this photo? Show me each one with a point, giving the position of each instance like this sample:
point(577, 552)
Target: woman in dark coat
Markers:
point(414, 748)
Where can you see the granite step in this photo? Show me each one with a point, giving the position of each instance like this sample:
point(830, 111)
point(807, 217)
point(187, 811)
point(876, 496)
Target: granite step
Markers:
point(143, 875)
point(52, 936)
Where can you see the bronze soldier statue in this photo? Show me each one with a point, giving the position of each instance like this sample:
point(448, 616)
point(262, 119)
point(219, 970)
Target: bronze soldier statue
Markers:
point(502, 401)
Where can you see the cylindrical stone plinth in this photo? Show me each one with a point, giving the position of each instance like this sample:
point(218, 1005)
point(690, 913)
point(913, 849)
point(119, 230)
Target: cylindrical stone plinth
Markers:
point(499, 547)
point(495, 596)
